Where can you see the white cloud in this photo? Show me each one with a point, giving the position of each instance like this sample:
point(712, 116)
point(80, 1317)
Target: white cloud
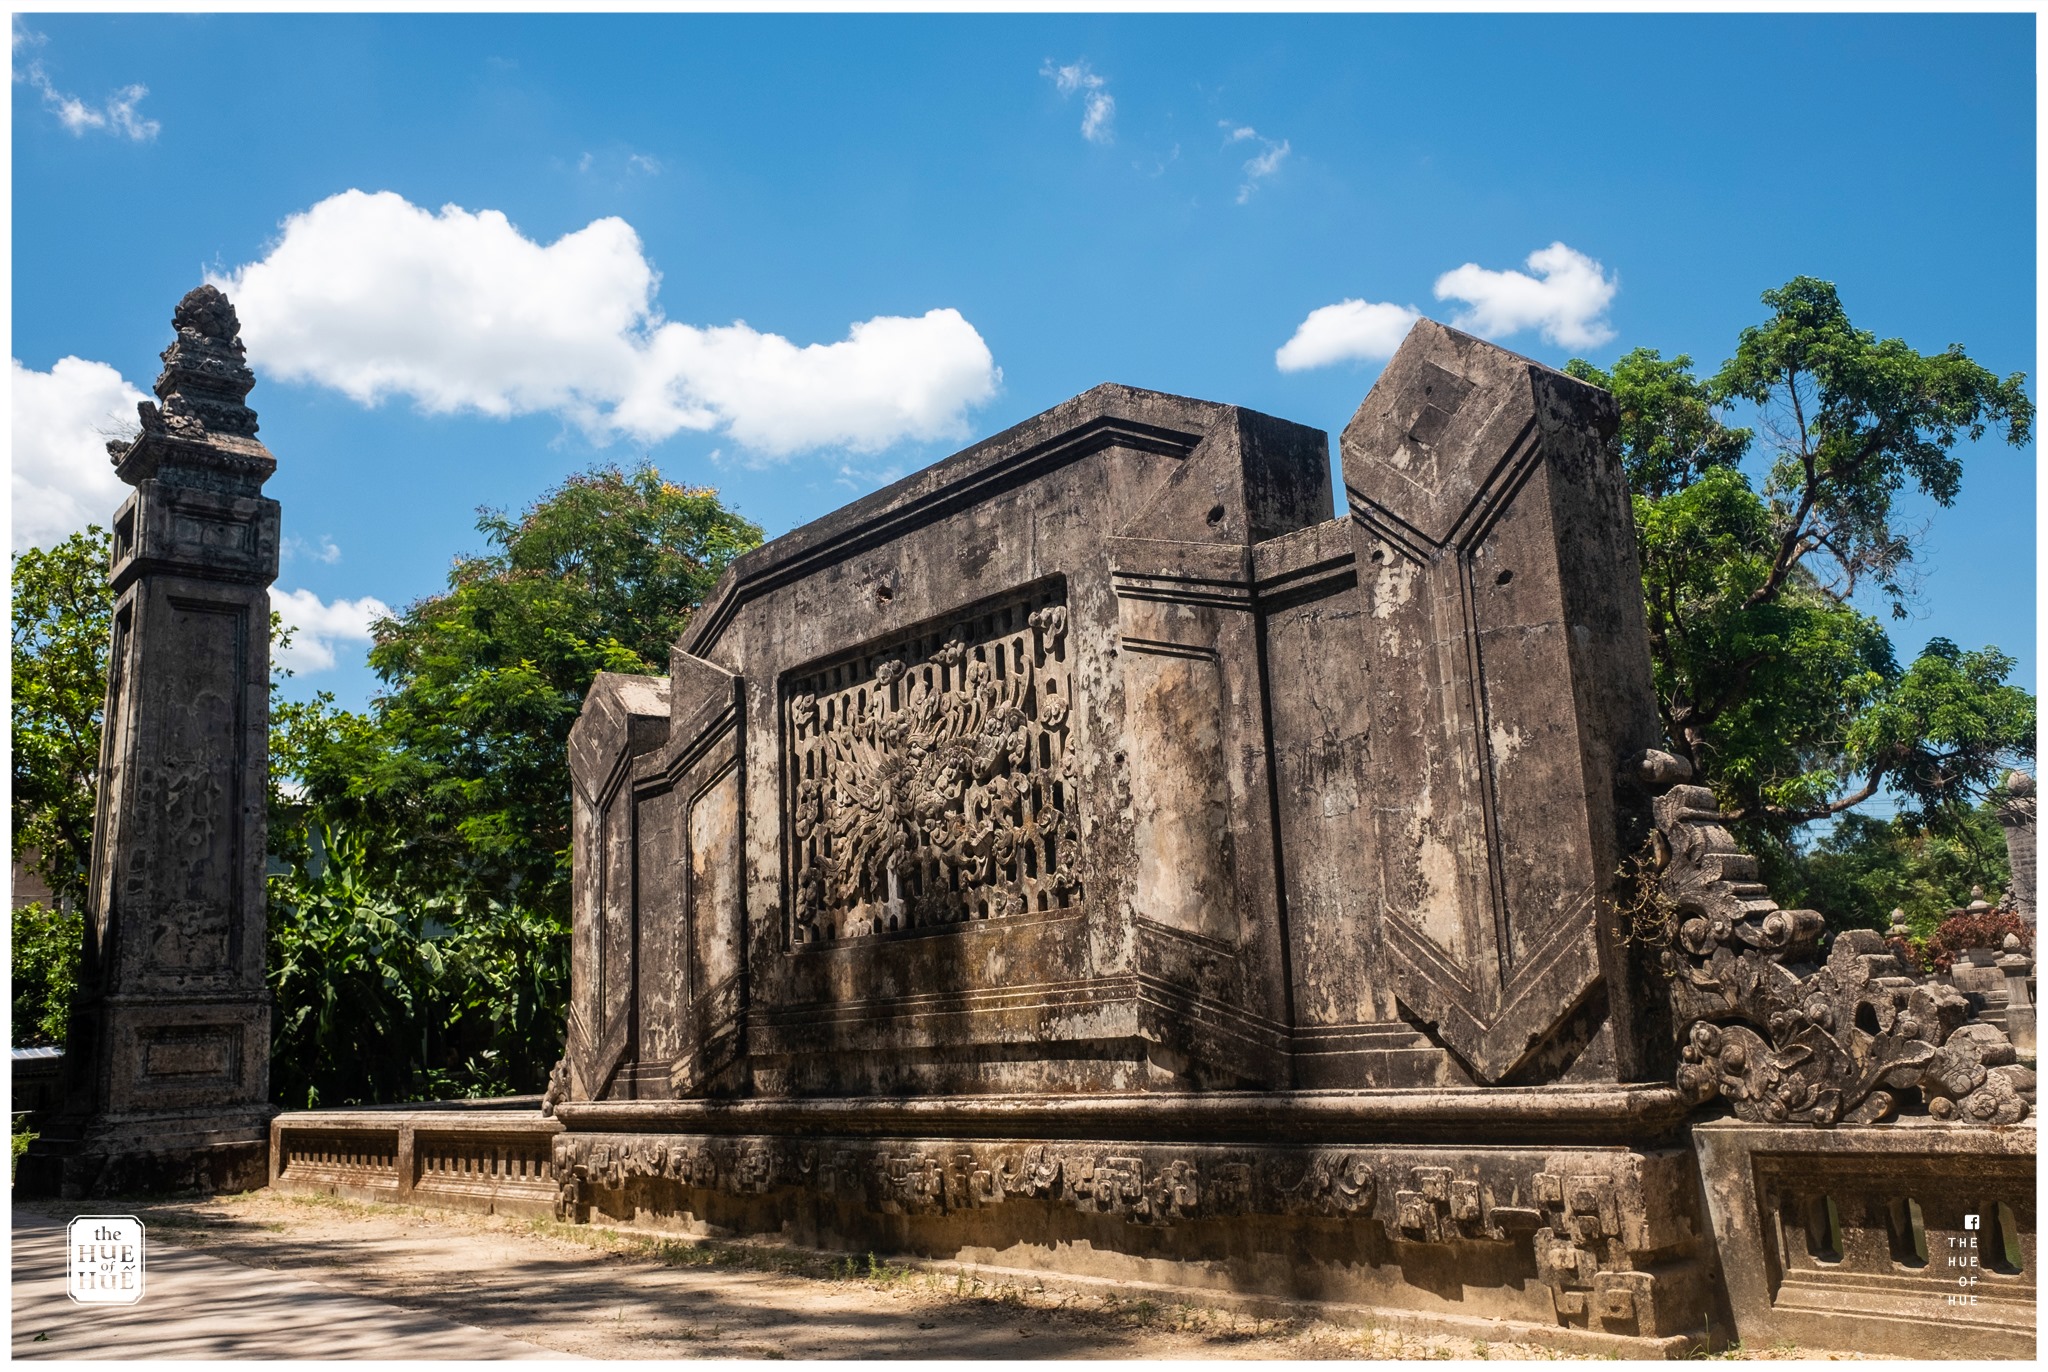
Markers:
point(116, 116)
point(459, 311)
point(1096, 121)
point(1272, 152)
point(317, 627)
point(642, 163)
point(1565, 300)
point(326, 550)
point(1098, 106)
point(63, 479)
point(1348, 331)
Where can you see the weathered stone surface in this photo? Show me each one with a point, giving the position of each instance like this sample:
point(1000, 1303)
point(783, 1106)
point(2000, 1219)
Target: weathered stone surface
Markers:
point(2017, 969)
point(1498, 570)
point(999, 804)
point(496, 1161)
point(1784, 1036)
point(1085, 760)
point(1602, 1240)
point(1087, 853)
point(1911, 1240)
point(167, 1066)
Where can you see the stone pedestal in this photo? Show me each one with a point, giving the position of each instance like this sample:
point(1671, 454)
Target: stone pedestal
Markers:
point(2018, 970)
point(167, 1066)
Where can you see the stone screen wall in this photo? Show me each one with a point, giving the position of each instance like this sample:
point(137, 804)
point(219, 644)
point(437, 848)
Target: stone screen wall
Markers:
point(1100, 756)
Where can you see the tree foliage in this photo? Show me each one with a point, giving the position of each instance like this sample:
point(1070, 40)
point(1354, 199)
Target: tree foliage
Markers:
point(1852, 421)
point(1864, 868)
point(460, 770)
point(387, 994)
point(433, 830)
point(1784, 695)
point(47, 941)
point(63, 612)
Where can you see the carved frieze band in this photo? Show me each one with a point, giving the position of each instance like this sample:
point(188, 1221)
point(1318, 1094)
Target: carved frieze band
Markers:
point(930, 778)
point(1581, 1217)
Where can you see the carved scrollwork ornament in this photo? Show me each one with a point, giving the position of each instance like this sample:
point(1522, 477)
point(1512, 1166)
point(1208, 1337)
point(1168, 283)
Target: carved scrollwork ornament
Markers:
point(1785, 1036)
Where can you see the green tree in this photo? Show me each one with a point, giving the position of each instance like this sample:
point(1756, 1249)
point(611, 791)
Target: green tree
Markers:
point(1864, 868)
point(1852, 420)
point(1786, 697)
point(47, 942)
point(63, 614)
point(454, 786)
point(461, 768)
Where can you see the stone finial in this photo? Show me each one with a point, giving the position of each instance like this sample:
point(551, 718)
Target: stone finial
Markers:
point(2012, 943)
point(199, 420)
point(1899, 927)
point(2018, 783)
point(205, 377)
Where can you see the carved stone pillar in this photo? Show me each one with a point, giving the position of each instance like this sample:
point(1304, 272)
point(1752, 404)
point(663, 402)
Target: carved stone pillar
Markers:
point(2016, 814)
point(167, 1066)
point(2017, 968)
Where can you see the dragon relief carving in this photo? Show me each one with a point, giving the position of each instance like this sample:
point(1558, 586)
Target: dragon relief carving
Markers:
point(937, 786)
point(1786, 1037)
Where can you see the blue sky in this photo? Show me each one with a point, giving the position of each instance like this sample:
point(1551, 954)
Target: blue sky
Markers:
point(933, 228)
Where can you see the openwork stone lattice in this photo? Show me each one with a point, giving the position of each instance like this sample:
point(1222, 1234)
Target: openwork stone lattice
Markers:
point(930, 779)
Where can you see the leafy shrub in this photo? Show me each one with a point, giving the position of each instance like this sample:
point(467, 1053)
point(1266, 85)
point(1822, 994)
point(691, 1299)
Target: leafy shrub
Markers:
point(384, 997)
point(1984, 929)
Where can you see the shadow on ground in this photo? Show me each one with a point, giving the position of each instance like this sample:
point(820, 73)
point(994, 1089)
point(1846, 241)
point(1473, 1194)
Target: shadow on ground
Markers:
point(598, 1293)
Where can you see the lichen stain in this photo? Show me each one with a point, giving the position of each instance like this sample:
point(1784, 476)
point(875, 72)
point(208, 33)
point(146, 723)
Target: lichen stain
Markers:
point(1394, 587)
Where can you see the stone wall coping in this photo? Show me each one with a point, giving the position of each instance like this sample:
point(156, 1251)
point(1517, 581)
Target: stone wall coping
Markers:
point(1625, 1114)
point(1103, 416)
point(463, 1121)
point(1917, 1134)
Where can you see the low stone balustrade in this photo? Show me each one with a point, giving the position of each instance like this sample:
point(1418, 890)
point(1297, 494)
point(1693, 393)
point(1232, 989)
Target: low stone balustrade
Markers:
point(497, 1161)
point(1911, 1238)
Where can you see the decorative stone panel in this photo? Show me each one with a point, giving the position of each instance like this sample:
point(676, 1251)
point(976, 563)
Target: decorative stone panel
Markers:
point(930, 777)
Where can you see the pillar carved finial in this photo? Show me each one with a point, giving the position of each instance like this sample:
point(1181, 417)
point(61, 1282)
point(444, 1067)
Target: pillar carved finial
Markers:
point(206, 377)
point(200, 416)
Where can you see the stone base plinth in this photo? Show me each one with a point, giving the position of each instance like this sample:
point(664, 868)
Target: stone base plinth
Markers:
point(1910, 1240)
point(84, 1173)
point(1358, 1205)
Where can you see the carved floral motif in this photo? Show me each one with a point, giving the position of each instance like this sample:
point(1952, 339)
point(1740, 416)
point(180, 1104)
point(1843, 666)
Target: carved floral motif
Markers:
point(931, 780)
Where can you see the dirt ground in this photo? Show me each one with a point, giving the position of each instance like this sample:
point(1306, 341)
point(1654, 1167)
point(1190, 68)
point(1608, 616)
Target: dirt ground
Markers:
point(599, 1293)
